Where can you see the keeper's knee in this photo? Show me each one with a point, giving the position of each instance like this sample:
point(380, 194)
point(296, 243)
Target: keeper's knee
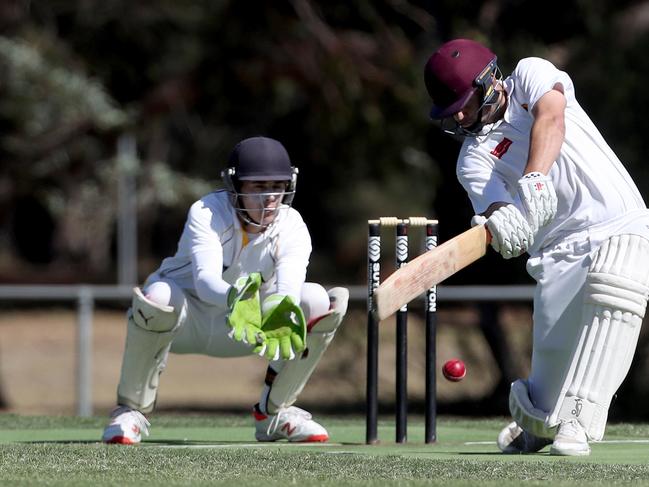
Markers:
point(151, 316)
point(328, 322)
point(314, 300)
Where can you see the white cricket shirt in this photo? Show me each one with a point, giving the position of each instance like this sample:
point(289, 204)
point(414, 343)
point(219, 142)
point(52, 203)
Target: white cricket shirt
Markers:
point(213, 251)
point(592, 185)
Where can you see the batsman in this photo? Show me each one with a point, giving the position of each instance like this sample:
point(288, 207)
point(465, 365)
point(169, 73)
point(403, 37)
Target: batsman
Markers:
point(235, 287)
point(544, 181)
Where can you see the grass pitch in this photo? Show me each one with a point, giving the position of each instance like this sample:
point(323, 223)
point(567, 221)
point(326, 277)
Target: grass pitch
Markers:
point(220, 450)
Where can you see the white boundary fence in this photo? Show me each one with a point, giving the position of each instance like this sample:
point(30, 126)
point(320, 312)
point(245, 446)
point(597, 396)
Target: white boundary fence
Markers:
point(86, 295)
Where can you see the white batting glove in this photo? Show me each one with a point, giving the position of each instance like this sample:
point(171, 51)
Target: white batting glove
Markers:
point(511, 234)
point(539, 199)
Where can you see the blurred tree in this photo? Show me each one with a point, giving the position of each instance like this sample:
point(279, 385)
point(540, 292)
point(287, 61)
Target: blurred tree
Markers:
point(338, 82)
point(54, 123)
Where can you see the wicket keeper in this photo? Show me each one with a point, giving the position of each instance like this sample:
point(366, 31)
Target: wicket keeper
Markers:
point(236, 286)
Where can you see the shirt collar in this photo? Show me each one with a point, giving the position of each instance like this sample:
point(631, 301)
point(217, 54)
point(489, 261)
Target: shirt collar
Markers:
point(271, 231)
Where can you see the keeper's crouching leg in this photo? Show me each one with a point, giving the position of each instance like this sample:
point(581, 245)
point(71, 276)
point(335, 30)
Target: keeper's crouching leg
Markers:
point(285, 380)
point(150, 331)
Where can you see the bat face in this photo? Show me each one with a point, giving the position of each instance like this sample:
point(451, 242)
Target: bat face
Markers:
point(428, 270)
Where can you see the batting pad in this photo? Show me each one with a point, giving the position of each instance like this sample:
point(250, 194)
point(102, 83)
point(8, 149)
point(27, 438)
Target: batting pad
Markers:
point(528, 417)
point(294, 374)
point(615, 300)
point(150, 330)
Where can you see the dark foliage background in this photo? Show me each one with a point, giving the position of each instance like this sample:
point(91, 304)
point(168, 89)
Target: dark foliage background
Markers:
point(338, 82)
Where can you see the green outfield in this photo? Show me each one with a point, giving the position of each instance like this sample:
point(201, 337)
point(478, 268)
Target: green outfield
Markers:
point(219, 450)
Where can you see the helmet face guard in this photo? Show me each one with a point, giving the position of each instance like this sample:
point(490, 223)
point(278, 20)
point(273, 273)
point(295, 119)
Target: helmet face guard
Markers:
point(233, 185)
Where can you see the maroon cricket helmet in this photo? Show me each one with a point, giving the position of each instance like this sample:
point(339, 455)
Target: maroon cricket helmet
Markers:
point(453, 74)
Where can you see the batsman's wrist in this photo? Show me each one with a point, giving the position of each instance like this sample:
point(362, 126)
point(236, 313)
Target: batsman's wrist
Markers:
point(533, 175)
point(478, 220)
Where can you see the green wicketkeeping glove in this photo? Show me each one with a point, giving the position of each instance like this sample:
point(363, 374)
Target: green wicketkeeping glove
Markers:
point(244, 316)
point(284, 327)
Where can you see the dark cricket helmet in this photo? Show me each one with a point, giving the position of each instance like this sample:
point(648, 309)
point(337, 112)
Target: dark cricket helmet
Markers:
point(259, 159)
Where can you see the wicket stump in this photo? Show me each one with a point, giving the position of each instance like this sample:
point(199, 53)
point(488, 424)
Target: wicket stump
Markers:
point(373, 280)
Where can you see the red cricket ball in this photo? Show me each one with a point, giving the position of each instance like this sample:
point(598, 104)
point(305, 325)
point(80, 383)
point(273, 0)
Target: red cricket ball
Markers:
point(454, 370)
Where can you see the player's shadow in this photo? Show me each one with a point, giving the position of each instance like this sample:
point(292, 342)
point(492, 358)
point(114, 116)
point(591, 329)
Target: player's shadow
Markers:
point(500, 454)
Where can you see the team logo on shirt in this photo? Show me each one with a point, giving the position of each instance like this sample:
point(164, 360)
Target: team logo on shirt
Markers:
point(502, 147)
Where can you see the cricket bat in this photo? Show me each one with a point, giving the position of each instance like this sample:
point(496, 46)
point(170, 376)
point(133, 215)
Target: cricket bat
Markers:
point(429, 269)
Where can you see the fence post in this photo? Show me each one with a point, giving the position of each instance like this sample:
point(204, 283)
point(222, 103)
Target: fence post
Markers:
point(85, 310)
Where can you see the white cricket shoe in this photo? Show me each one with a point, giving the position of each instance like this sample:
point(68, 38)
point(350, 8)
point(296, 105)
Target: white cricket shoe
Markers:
point(292, 424)
point(126, 426)
point(570, 440)
point(514, 439)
